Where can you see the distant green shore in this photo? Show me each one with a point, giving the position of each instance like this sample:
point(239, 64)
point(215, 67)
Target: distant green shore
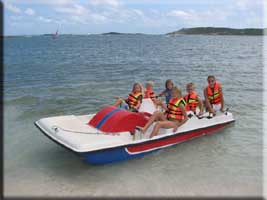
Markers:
point(183, 31)
point(217, 31)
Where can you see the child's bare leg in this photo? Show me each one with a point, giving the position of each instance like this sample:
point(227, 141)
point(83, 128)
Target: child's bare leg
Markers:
point(209, 107)
point(157, 102)
point(157, 116)
point(162, 124)
point(118, 102)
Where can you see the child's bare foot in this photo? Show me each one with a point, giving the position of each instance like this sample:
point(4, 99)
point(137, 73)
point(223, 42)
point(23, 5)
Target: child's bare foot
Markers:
point(175, 129)
point(141, 129)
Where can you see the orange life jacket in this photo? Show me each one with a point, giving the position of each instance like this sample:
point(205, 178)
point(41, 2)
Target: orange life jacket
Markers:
point(191, 101)
point(133, 98)
point(149, 94)
point(214, 94)
point(174, 111)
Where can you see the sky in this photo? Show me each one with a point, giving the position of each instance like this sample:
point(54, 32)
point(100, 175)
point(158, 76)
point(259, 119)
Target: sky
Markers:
point(31, 17)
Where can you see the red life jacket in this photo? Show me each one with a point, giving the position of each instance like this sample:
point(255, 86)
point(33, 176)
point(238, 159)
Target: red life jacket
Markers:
point(191, 101)
point(174, 111)
point(214, 94)
point(149, 94)
point(133, 98)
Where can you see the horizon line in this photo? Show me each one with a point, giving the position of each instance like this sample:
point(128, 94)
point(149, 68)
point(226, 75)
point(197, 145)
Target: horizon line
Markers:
point(264, 29)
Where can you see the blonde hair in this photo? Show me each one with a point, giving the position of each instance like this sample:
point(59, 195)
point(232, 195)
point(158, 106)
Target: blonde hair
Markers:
point(190, 85)
point(150, 83)
point(177, 91)
point(139, 84)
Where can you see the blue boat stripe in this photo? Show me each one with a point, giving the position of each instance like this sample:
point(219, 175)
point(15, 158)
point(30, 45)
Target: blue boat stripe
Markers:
point(105, 118)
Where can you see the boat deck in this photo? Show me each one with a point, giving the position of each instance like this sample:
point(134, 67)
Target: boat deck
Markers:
point(74, 132)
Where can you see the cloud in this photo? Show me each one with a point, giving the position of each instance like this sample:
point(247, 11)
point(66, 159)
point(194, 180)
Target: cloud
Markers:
point(150, 15)
point(12, 8)
point(112, 3)
point(80, 14)
point(44, 19)
point(29, 11)
point(89, 19)
point(180, 14)
point(212, 17)
point(16, 18)
point(76, 9)
point(244, 4)
point(41, 2)
point(138, 12)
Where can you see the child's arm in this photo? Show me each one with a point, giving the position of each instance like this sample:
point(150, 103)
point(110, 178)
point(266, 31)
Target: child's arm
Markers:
point(162, 93)
point(200, 104)
point(207, 102)
point(184, 120)
point(139, 101)
point(222, 99)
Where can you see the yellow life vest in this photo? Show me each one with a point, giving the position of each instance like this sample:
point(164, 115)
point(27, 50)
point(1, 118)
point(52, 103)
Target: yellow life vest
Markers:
point(191, 101)
point(174, 110)
point(133, 98)
point(214, 94)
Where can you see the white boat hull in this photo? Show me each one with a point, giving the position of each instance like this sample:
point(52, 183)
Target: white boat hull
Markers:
point(99, 147)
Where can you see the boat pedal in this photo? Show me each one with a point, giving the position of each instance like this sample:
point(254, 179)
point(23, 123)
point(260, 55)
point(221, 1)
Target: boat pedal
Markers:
point(137, 133)
point(138, 128)
point(200, 117)
point(55, 128)
point(190, 115)
point(226, 111)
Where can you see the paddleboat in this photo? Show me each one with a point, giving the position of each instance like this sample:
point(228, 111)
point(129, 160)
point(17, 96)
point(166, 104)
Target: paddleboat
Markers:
point(110, 135)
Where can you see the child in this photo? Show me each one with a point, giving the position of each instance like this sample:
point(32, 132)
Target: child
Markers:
point(213, 96)
point(168, 91)
point(174, 116)
point(192, 99)
point(133, 101)
point(149, 92)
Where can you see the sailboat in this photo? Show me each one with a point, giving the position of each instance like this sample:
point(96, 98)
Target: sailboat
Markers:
point(55, 35)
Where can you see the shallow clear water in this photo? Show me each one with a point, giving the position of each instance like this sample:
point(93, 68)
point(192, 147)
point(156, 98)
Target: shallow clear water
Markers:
point(82, 74)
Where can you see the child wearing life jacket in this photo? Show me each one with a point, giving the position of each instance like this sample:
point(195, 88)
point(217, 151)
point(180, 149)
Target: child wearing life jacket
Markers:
point(213, 94)
point(149, 91)
point(133, 101)
point(168, 90)
point(174, 116)
point(192, 100)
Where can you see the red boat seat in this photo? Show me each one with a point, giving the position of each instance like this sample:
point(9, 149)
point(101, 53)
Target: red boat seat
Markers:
point(112, 119)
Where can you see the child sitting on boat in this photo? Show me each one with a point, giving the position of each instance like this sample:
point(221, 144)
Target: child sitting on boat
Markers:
point(149, 91)
point(174, 116)
point(133, 101)
point(213, 94)
point(168, 90)
point(192, 100)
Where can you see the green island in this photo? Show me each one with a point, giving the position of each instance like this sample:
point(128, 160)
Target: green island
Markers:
point(217, 31)
point(118, 33)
